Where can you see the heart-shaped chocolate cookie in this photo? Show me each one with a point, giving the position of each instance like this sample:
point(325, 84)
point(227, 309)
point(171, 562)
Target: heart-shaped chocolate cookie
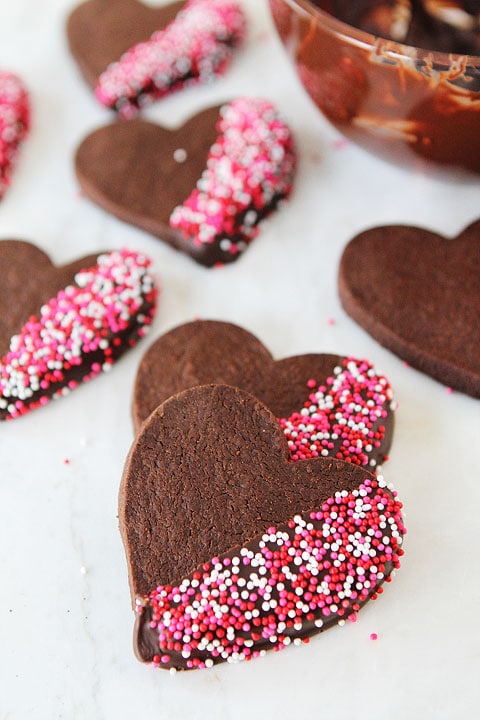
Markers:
point(233, 549)
point(14, 124)
point(60, 326)
point(204, 187)
point(326, 404)
point(418, 294)
point(132, 53)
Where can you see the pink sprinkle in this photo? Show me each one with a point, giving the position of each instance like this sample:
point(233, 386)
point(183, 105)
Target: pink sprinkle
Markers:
point(331, 322)
point(373, 636)
point(449, 390)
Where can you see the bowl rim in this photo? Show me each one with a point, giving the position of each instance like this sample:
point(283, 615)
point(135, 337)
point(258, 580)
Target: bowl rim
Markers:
point(366, 39)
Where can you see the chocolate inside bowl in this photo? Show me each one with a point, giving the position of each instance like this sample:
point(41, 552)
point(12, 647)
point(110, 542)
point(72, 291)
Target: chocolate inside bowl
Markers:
point(400, 77)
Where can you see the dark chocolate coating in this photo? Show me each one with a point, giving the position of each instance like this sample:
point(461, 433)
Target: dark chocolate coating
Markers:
point(100, 31)
point(146, 637)
point(418, 294)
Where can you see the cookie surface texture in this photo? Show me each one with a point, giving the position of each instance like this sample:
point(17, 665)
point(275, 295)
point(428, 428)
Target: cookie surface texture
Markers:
point(418, 294)
point(326, 404)
point(203, 188)
point(60, 326)
point(15, 115)
point(132, 53)
point(244, 549)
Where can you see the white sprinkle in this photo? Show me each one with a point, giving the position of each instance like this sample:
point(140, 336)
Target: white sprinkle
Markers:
point(180, 155)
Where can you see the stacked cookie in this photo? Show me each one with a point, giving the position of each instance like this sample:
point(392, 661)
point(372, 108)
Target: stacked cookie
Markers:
point(251, 507)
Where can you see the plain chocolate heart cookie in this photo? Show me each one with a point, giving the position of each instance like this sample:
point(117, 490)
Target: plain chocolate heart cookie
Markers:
point(203, 188)
point(418, 294)
point(233, 549)
point(132, 53)
point(60, 326)
point(326, 404)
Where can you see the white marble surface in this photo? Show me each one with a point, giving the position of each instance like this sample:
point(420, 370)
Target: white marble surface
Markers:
point(65, 617)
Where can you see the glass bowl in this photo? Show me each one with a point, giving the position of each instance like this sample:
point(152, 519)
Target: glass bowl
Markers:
point(405, 103)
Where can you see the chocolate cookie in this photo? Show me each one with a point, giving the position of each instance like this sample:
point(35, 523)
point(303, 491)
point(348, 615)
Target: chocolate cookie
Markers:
point(60, 326)
point(418, 294)
point(233, 549)
point(326, 404)
point(133, 54)
point(14, 124)
point(202, 188)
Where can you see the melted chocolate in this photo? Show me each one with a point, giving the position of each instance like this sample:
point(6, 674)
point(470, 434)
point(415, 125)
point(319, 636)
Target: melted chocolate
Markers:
point(450, 27)
point(406, 106)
